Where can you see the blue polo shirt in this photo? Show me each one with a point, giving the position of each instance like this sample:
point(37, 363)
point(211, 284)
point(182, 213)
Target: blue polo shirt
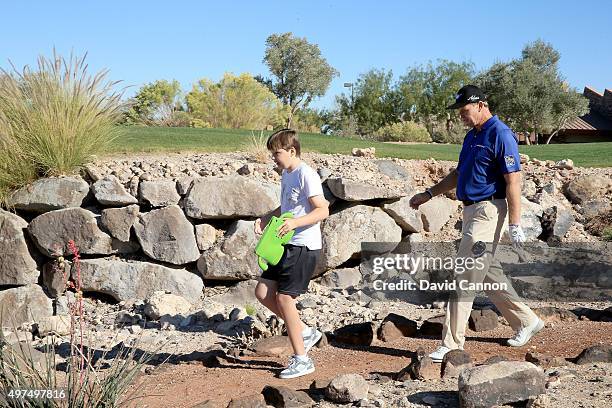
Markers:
point(485, 157)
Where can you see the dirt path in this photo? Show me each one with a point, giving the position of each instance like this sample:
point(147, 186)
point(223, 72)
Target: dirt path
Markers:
point(187, 385)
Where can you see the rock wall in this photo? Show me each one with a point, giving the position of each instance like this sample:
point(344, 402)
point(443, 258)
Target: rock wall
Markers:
point(174, 222)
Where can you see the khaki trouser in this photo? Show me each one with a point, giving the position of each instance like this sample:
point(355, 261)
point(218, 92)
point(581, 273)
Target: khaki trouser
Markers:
point(485, 222)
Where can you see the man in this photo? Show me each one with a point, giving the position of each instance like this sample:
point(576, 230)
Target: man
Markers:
point(488, 182)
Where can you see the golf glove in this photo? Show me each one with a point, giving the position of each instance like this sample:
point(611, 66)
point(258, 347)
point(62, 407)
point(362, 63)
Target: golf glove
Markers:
point(516, 235)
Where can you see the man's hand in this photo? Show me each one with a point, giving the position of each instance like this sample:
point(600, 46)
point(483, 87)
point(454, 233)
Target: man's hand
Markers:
point(288, 225)
point(419, 199)
point(257, 227)
point(516, 235)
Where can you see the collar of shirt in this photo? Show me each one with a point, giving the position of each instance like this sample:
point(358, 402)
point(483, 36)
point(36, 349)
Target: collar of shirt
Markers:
point(487, 124)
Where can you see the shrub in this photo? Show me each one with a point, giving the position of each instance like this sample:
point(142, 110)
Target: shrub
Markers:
point(199, 123)
point(257, 147)
point(53, 119)
point(454, 135)
point(403, 132)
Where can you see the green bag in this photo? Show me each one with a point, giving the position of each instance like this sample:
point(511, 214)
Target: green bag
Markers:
point(270, 247)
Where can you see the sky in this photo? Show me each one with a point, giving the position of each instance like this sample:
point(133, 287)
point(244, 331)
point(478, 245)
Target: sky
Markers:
point(140, 42)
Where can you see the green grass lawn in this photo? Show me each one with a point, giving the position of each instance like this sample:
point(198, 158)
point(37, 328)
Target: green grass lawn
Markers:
point(154, 139)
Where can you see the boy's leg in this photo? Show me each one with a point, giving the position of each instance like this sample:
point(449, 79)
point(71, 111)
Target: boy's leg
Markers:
point(286, 304)
point(266, 292)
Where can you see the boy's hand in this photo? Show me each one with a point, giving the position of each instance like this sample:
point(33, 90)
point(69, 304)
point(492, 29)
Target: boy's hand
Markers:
point(257, 227)
point(288, 225)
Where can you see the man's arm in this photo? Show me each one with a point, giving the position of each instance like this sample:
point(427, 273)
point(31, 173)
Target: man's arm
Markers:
point(513, 196)
point(446, 184)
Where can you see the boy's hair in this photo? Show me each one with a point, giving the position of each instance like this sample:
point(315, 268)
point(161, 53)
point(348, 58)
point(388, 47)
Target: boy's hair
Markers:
point(284, 139)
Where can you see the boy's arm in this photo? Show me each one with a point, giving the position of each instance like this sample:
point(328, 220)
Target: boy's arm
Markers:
point(261, 223)
point(320, 211)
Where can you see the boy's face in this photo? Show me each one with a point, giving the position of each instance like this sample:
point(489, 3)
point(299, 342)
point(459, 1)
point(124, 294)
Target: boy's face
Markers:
point(283, 158)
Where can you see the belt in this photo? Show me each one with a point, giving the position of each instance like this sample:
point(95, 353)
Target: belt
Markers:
point(490, 198)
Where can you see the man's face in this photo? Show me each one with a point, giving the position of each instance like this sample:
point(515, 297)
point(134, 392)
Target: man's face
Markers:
point(470, 113)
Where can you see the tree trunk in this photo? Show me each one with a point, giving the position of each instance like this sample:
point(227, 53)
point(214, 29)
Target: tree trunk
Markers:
point(551, 136)
point(289, 120)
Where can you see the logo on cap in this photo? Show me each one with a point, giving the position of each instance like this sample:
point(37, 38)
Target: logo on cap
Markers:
point(473, 98)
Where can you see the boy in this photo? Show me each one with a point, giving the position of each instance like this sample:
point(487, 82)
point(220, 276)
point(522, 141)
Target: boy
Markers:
point(280, 285)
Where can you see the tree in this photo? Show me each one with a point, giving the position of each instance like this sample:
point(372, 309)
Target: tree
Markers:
point(426, 91)
point(156, 103)
point(566, 107)
point(300, 72)
point(529, 93)
point(373, 104)
point(238, 102)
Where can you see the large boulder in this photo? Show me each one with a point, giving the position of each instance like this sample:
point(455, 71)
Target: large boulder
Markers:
point(165, 304)
point(53, 230)
point(601, 353)
point(16, 265)
point(342, 278)
point(49, 194)
point(436, 212)
point(347, 388)
point(230, 197)
point(344, 232)
point(119, 221)
point(23, 304)
point(158, 193)
point(284, 397)
point(394, 171)
point(352, 190)
point(500, 383)
point(233, 258)
point(206, 236)
point(593, 208)
point(166, 235)
point(585, 188)
point(395, 326)
point(530, 219)
point(136, 280)
point(557, 221)
point(110, 191)
point(405, 216)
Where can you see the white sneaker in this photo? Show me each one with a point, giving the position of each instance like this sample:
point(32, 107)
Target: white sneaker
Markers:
point(297, 367)
point(439, 354)
point(311, 339)
point(525, 334)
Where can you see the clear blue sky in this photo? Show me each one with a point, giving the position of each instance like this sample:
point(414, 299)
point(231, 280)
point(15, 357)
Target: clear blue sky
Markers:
point(143, 41)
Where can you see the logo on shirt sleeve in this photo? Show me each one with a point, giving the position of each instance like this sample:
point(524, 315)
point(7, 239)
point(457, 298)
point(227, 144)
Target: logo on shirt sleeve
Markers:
point(509, 161)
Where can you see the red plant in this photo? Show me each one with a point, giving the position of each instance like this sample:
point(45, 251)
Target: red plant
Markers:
point(76, 309)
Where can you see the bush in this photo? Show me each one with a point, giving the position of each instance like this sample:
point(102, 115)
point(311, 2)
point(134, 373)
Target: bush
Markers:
point(53, 119)
point(199, 123)
point(180, 119)
point(403, 132)
point(455, 135)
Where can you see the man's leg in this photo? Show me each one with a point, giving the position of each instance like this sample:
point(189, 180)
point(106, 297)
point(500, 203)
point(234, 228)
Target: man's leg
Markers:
point(482, 223)
point(517, 313)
